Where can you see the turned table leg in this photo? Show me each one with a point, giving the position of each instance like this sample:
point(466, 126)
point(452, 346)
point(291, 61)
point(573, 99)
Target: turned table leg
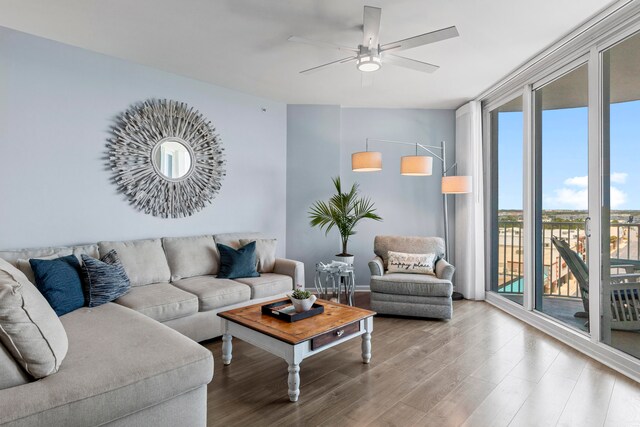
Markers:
point(294, 382)
point(226, 349)
point(366, 340)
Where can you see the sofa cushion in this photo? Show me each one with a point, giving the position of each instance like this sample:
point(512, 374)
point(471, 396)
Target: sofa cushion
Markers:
point(265, 253)
point(409, 244)
point(143, 260)
point(236, 263)
point(191, 256)
point(214, 293)
point(59, 281)
point(119, 362)
point(233, 239)
point(411, 284)
point(11, 374)
point(25, 266)
point(29, 328)
point(268, 284)
point(13, 256)
point(160, 301)
point(104, 278)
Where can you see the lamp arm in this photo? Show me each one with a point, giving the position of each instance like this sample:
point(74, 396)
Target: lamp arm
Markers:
point(453, 166)
point(427, 148)
point(431, 152)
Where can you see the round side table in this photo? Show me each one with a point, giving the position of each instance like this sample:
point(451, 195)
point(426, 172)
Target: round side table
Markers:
point(334, 279)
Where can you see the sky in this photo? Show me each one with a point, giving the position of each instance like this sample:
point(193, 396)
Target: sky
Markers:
point(565, 158)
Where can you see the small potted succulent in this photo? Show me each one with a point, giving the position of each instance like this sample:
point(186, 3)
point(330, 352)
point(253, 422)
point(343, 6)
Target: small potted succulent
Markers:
point(302, 300)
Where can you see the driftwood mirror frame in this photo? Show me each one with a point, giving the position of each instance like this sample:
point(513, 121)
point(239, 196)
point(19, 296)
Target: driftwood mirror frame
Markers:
point(136, 136)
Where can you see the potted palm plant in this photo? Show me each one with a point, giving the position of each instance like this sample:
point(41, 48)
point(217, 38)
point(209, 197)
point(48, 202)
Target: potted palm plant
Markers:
point(343, 211)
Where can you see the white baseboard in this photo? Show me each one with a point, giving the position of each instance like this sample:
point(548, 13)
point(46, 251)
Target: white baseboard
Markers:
point(609, 356)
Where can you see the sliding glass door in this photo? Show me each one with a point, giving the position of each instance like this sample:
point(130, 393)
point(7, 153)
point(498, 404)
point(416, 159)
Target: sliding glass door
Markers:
point(562, 193)
point(506, 212)
point(561, 147)
point(620, 292)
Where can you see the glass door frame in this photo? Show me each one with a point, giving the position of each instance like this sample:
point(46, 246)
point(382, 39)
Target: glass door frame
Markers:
point(600, 208)
point(491, 216)
point(534, 187)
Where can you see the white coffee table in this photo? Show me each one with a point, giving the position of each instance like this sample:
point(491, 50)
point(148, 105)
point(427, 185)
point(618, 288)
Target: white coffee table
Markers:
point(296, 341)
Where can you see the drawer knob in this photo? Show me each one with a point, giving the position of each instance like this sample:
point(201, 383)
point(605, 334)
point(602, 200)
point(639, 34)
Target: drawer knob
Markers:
point(340, 332)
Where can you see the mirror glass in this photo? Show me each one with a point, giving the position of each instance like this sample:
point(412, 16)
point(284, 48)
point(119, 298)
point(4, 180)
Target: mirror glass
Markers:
point(172, 159)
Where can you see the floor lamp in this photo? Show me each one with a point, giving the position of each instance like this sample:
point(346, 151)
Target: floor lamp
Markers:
point(371, 161)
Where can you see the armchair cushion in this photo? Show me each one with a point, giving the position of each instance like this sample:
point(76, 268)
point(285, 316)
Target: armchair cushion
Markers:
point(413, 245)
point(376, 266)
point(411, 284)
point(444, 270)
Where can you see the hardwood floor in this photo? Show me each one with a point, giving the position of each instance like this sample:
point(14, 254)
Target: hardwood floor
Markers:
point(482, 368)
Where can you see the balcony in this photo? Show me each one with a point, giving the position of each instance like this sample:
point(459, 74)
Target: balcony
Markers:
point(561, 296)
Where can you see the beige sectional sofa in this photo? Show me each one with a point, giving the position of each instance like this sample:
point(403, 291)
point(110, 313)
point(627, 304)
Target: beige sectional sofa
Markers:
point(127, 364)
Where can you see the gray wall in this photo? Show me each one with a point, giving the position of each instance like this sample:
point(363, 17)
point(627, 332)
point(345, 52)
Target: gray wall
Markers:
point(408, 205)
point(313, 157)
point(56, 106)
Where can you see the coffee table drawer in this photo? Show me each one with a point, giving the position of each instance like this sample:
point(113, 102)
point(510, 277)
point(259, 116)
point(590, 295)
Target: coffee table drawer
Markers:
point(334, 335)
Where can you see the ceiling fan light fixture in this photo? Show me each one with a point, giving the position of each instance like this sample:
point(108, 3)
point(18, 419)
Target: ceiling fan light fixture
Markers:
point(368, 63)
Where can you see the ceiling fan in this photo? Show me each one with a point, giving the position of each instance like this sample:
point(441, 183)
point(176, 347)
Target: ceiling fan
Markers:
point(371, 55)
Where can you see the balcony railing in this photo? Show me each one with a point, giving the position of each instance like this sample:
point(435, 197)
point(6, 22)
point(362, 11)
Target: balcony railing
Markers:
point(557, 279)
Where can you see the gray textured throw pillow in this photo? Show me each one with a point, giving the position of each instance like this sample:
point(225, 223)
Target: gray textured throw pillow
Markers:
point(265, 253)
point(29, 328)
point(104, 279)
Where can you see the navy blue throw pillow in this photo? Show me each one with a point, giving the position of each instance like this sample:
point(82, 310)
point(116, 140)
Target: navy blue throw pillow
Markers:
point(58, 280)
point(104, 278)
point(235, 264)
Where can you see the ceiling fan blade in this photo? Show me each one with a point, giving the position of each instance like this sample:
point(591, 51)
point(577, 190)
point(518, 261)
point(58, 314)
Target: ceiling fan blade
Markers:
point(427, 38)
point(302, 40)
point(319, 67)
point(371, 27)
point(409, 63)
point(367, 80)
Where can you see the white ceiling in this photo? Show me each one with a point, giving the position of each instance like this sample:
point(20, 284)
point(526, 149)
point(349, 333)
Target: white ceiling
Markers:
point(242, 44)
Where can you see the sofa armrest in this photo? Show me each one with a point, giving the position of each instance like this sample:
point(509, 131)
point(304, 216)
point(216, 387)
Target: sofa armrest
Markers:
point(444, 270)
point(291, 268)
point(376, 266)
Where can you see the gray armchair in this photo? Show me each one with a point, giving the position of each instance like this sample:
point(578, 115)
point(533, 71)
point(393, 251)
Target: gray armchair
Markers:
point(406, 294)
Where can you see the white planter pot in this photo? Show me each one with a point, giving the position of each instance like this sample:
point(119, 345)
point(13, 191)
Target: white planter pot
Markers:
point(346, 259)
point(303, 304)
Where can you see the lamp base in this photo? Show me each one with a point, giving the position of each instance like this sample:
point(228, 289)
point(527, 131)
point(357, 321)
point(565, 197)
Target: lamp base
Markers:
point(457, 296)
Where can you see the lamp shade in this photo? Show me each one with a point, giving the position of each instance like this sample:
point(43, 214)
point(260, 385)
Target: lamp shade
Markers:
point(456, 184)
point(416, 165)
point(366, 161)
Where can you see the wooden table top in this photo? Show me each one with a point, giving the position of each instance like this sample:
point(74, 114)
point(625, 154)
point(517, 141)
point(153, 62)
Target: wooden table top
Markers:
point(335, 316)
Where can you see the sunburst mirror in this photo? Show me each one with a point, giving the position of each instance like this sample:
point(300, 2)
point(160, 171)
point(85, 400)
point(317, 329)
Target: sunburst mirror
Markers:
point(166, 158)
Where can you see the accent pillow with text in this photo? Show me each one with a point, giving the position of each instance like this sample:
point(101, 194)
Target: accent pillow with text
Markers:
point(400, 262)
